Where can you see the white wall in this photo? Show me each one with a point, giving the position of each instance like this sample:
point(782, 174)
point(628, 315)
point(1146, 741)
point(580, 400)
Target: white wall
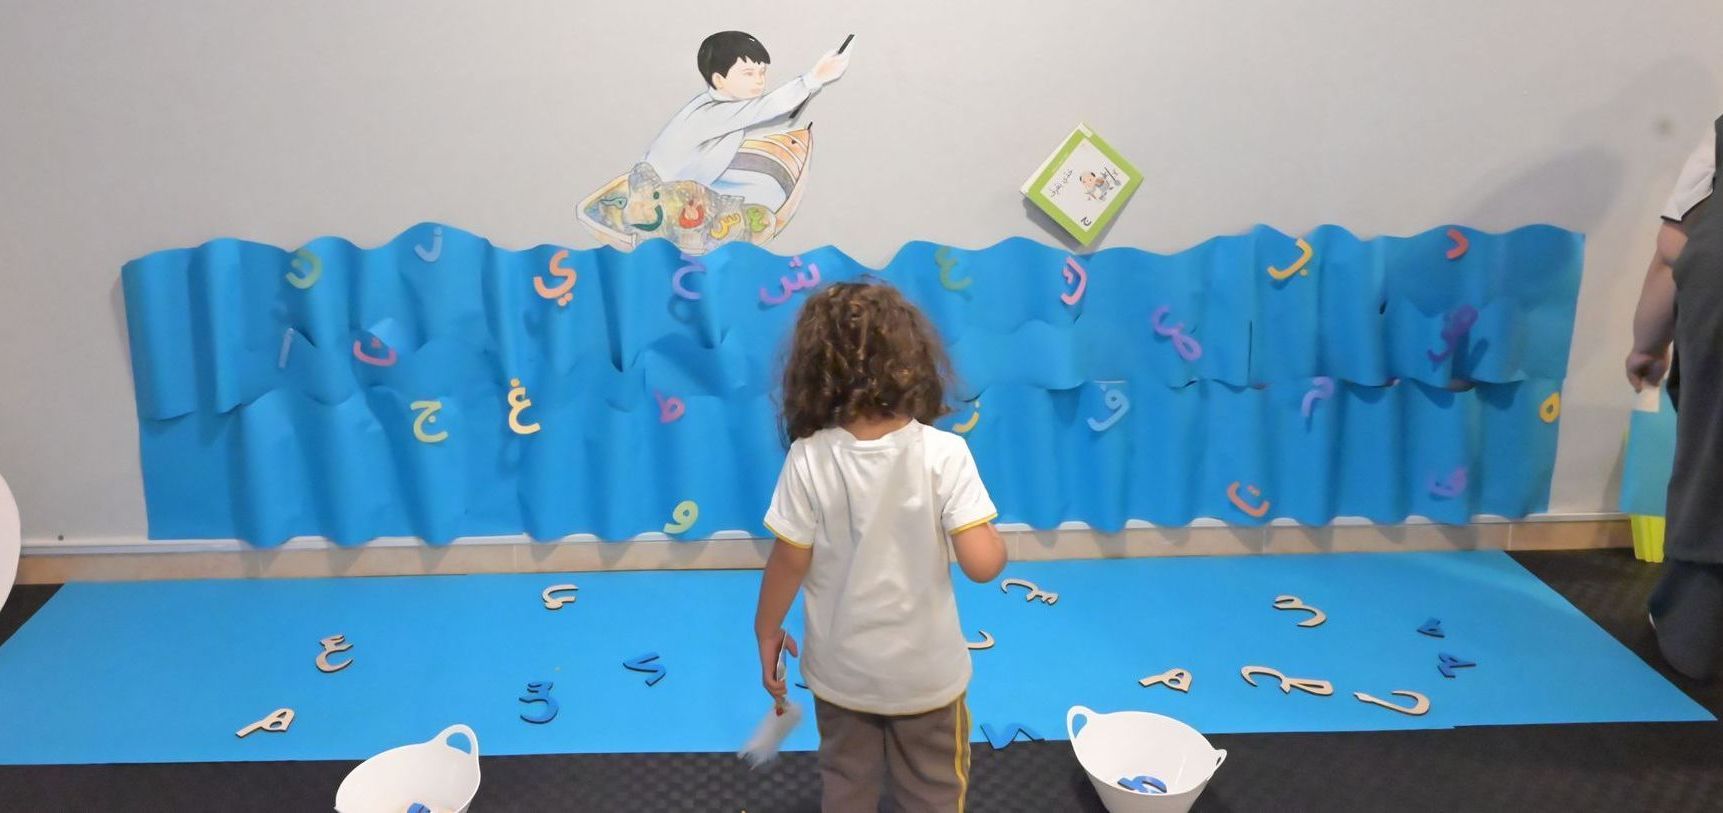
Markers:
point(130, 127)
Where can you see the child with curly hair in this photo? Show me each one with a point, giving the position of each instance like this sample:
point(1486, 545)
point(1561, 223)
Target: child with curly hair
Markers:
point(869, 495)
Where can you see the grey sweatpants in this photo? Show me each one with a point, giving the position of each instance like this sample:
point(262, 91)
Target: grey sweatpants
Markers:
point(924, 756)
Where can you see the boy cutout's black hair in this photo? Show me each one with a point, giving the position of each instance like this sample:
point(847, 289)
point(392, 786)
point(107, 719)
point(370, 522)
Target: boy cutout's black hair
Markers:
point(721, 51)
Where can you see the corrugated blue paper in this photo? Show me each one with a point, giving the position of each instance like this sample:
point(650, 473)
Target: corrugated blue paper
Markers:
point(275, 388)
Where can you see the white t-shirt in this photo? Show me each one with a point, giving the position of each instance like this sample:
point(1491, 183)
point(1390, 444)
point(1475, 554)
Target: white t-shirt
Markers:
point(1695, 182)
point(882, 634)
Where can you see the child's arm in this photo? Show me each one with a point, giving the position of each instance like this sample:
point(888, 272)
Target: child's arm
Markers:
point(785, 570)
point(968, 514)
point(980, 552)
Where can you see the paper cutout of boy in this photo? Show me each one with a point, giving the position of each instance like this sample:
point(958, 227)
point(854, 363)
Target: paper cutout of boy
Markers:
point(702, 139)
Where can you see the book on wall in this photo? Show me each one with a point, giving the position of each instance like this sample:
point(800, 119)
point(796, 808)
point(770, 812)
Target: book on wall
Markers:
point(1083, 184)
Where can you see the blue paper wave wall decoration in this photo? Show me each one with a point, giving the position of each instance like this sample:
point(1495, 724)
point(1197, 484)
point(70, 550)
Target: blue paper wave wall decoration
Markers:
point(353, 393)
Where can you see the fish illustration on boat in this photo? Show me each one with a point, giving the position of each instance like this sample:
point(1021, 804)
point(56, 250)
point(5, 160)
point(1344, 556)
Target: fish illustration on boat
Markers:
point(638, 205)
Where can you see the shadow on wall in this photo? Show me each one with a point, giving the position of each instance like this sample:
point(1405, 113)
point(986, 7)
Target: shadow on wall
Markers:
point(1051, 228)
point(1590, 171)
point(1596, 166)
point(117, 303)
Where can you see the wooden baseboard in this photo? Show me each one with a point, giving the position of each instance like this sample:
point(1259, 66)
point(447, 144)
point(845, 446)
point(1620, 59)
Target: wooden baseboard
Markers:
point(725, 554)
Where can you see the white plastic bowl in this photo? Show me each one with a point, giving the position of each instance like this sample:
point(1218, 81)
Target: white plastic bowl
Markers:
point(1127, 744)
point(432, 773)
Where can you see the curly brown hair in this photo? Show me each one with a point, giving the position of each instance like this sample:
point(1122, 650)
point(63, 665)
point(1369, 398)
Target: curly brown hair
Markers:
point(861, 350)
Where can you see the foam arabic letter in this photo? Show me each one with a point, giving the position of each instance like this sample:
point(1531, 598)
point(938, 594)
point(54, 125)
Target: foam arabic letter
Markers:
point(1453, 486)
point(1160, 329)
point(1142, 784)
point(1080, 279)
point(427, 414)
point(1446, 664)
point(1420, 704)
point(1320, 688)
point(683, 516)
point(1118, 404)
point(1305, 252)
point(942, 258)
point(1249, 674)
point(1188, 348)
point(788, 291)
point(375, 361)
point(1550, 409)
point(693, 266)
point(1179, 680)
point(965, 427)
point(1005, 586)
point(669, 409)
point(1296, 603)
point(539, 692)
point(1461, 244)
point(276, 722)
point(1455, 326)
point(1287, 684)
point(556, 602)
point(431, 254)
point(332, 645)
point(564, 291)
point(308, 266)
point(1321, 387)
point(1034, 592)
point(649, 664)
point(807, 279)
point(986, 641)
point(518, 403)
point(1239, 502)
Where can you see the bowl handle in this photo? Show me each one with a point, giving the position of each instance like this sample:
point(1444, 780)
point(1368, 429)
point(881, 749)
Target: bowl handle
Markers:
point(1219, 757)
point(458, 728)
point(1071, 716)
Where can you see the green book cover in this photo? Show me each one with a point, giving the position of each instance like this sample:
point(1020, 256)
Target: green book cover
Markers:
point(1083, 184)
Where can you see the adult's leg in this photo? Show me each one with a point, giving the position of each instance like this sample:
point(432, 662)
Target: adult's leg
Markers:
point(1687, 614)
point(852, 758)
point(928, 758)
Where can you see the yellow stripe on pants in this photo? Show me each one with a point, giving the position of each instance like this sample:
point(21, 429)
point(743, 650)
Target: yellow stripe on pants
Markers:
point(962, 724)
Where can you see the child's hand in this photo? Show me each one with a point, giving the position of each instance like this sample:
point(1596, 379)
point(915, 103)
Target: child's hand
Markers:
point(775, 683)
point(830, 67)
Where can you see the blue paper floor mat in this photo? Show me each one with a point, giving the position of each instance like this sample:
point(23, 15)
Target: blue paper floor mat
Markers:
point(169, 671)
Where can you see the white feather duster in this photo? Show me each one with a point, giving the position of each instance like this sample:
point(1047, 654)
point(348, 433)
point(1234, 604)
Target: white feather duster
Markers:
point(770, 734)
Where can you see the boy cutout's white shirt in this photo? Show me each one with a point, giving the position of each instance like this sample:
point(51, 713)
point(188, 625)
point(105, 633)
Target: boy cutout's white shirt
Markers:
point(881, 633)
point(702, 139)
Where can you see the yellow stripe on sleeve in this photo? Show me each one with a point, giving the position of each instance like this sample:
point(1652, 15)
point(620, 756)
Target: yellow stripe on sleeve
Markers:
point(976, 524)
point(786, 540)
